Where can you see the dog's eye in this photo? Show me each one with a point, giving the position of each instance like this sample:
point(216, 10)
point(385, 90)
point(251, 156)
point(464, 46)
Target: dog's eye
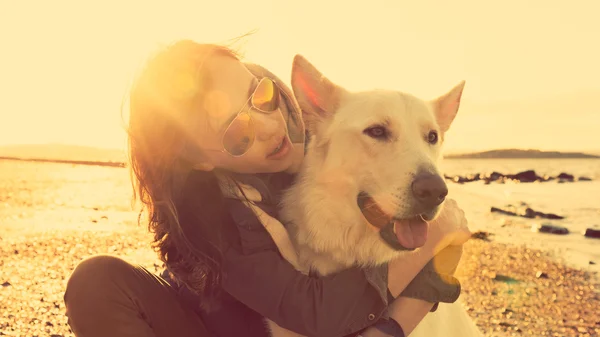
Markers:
point(377, 132)
point(432, 137)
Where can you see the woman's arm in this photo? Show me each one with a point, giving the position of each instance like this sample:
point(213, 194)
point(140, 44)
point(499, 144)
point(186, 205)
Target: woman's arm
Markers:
point(336, 305)
point(405, 313)
point(403, 270)
point(258, 276)
point(330, 306)
point(409, 312)
point(435, 282)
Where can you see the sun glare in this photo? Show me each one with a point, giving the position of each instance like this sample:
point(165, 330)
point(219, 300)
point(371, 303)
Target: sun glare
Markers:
point(67, 66)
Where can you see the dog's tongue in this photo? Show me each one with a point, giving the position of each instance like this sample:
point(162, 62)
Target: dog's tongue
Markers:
point(411, 233)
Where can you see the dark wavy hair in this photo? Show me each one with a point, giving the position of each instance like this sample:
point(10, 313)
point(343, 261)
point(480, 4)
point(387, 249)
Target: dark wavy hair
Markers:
point(164, 95)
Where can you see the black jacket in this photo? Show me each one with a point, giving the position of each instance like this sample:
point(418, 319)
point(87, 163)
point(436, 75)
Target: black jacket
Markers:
point(258, 282)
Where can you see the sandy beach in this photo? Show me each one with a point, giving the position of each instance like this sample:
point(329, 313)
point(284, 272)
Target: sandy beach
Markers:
point(55, 215)
point(504, 93)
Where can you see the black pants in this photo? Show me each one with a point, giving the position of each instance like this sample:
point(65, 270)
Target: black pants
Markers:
point(107, 296)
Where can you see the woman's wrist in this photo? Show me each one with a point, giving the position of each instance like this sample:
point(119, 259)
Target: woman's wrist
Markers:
point(434, 245)
point(403, 269)
point(433, 286)
point(408, 312)
point(429, 248)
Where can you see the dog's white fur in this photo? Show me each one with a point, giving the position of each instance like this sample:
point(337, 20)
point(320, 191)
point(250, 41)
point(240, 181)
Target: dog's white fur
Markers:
point(327, 231)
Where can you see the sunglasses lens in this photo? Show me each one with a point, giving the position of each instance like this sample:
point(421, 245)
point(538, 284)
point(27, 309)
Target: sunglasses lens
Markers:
point(266, 96)
point(239, 136)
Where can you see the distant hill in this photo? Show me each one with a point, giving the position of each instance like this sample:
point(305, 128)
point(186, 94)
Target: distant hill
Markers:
point(63, 152)
point(521, 154)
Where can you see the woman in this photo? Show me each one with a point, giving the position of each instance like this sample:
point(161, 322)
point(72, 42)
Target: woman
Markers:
point(199, 120)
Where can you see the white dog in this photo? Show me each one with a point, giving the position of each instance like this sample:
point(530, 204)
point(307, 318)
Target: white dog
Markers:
point(378, 147)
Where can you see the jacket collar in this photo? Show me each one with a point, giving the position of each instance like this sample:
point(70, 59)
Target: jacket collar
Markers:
point(236, 190)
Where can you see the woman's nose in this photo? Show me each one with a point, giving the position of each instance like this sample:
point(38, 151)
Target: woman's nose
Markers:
point(267, 125)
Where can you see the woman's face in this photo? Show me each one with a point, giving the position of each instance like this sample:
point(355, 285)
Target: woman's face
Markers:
point(227, 95)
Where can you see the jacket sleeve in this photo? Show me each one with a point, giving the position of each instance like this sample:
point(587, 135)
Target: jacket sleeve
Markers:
point(431, 286)
point(330, 306)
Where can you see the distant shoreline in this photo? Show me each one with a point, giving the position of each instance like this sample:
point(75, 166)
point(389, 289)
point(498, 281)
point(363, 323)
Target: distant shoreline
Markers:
point(479, 155)
point(86, 155)
point(72, 162)
point(522, 154)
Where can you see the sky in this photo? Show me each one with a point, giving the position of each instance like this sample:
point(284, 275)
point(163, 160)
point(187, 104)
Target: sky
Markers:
point(531, 67)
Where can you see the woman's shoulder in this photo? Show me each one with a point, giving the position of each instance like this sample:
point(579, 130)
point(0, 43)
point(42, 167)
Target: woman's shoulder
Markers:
point(221, 214)
point(253, 235)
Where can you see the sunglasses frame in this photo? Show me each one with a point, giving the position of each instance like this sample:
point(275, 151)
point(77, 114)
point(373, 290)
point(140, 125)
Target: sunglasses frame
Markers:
point(249, 105)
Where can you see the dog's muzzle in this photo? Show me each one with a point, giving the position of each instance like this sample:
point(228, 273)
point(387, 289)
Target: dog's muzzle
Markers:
point(378, 219)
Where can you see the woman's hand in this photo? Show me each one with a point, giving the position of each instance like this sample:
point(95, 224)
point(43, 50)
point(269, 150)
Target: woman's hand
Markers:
point(450, 228)
point(446, 261)
point(444, 244)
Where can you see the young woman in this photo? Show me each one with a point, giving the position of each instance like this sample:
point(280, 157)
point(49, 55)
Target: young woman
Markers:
point(202, 124)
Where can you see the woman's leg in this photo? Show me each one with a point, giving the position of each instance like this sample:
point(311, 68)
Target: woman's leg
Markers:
point(107, 296)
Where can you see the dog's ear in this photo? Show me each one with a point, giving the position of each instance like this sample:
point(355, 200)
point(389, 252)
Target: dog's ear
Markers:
point(317, 96)
point(446, 106)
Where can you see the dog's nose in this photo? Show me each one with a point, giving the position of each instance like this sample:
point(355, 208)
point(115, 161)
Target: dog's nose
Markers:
point(429, 189)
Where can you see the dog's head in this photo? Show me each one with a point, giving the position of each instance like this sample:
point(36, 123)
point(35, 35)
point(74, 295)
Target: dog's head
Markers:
point(387, 142)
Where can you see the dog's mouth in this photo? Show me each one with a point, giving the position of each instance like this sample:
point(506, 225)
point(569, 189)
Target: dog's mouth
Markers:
point(400, 234)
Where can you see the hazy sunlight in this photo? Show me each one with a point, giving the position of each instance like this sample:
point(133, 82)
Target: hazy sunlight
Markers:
point(531, 68)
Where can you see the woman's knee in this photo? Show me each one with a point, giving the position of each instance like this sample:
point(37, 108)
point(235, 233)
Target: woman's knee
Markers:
point(94, 276)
